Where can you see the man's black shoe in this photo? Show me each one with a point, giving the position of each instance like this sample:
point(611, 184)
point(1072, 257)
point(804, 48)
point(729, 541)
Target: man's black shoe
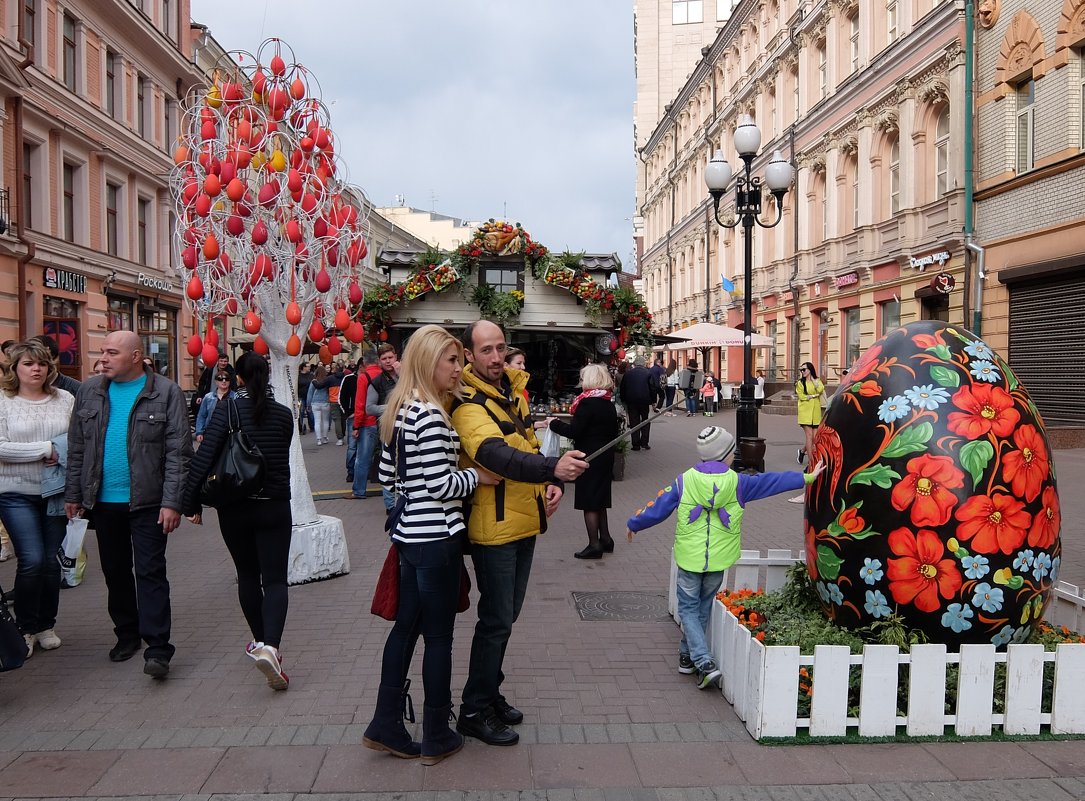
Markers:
point(156, 667)
point(507, 713)
point(487, 727)
point(124, 650)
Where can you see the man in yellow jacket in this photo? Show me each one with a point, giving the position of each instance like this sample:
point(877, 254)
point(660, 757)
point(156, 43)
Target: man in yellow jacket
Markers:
point(495, 433)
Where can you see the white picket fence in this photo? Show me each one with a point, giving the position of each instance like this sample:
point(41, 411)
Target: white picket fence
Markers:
point(762, 682)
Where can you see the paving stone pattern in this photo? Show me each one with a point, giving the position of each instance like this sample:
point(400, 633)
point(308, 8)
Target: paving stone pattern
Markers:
point(607, 714)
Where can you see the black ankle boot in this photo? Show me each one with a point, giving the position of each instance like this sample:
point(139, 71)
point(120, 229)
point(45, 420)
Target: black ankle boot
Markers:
point(386, 732)
point(438, 739)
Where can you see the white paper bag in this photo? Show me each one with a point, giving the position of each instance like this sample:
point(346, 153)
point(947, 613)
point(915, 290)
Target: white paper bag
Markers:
point(551, 443)
point(69, 549)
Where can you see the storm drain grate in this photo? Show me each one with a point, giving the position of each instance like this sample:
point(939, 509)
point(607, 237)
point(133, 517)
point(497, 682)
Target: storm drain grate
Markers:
point(630, 606)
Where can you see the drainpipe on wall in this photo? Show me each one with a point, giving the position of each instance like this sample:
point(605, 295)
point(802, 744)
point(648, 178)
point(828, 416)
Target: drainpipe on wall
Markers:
point(20, 175)
point(975, 277)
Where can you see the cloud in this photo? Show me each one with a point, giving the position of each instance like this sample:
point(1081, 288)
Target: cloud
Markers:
point(471, 107)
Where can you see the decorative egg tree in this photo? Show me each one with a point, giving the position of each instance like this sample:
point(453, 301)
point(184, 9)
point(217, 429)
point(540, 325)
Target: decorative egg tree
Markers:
point(267, 228)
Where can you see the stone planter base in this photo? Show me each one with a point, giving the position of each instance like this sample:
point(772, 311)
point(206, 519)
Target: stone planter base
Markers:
point(318, 551)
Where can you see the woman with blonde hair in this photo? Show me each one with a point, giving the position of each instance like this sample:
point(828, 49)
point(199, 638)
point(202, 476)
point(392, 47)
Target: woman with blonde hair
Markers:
point(34, 417)
point(594, 424)
point(418, 465)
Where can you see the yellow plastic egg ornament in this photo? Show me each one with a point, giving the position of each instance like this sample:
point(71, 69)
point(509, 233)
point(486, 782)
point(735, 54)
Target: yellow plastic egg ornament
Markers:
point(214, 96)
point(278, 161)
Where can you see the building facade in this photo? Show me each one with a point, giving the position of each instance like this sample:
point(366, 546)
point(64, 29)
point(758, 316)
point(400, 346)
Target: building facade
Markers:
point(866, 100)
point(1030, 194)
point(90, 113)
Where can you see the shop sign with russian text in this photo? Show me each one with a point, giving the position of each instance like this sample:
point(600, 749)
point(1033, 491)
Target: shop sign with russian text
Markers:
point(847, 279)
point(922, 262)
point(154, 282)
point(63, 279)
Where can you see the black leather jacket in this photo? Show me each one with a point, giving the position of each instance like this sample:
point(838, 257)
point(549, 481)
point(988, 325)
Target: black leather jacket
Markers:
point(159, 444)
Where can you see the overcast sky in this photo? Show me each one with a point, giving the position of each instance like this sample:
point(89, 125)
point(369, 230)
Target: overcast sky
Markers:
point(470, 107)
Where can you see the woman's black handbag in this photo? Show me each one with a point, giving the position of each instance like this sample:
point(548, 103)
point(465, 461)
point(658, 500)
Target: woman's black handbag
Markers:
point(12, 644)
point(392, 520)
point(239, 469)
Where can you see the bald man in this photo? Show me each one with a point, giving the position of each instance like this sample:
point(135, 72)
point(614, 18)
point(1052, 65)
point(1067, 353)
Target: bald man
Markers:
point(129, 446)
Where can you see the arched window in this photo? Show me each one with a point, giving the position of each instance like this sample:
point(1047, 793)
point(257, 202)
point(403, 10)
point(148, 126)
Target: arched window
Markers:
point(941, 153)
point(894, 178)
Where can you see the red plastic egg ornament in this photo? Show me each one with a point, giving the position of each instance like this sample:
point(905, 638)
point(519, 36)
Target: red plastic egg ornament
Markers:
point(195, 346)
point(195, 288)
point(354, 292)
point(210, 354)
point(189, 259)
point(316, 331)
point(235, 190)
point(210, 248)
point(230, 309)
point(212, 335)
point(268, 193)
point(278, 66)
point(293, 180)
point(251, 323)
point(293, 231)
point(259, 233)
point(355, 333)
point(260, 346)
point(212, 185)
point(383, 335)
point(227, 172)
point(259, 81)
point(621, 353)
point(613, 344)
point(297, 89)
point(342, 319)
point(320, 228)
point(265, 266)
point(203, 204)
point(207, 130)
point(323, 282)
point(235, 225)
point(293, 313)
point(335, 347)
point(324, 354)
point(293, 345)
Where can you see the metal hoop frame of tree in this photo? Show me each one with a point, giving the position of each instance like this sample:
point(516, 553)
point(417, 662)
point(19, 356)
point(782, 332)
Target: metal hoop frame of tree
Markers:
point(267, 228)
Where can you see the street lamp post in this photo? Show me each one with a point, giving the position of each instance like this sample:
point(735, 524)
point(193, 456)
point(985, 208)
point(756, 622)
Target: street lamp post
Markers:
point(778, 177)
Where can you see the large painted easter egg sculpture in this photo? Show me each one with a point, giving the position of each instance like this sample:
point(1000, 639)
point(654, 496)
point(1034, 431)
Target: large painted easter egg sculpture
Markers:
point(939, 500)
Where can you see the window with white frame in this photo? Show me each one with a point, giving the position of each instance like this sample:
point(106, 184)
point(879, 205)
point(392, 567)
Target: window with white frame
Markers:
point(823, 71)
point(795, 93)
point(891, 22)
point(685, 11)
point(1081, 97)
point(30, 19)
point(141, 105)
point(112, 202)
point(167, 18)
point(167, 124)
point(143, 213)
point(890, 314)
point(824, 210)
point(1026, 98)
point(853, 166)
point(894, 177)
point(69, 52)
point(30, 152)
point(111, 65)
point(941, 153)
point(853, 40)
point(70, 176)
point(851, 336)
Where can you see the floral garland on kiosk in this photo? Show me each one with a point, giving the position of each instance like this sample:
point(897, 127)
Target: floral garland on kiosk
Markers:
point(435, 271)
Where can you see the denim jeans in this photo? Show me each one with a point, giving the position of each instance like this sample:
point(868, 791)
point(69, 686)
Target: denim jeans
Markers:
point(352, 448)
point(36, 537)
point(696, 592)
point(429, 586)
point(691, 402)
point(501, 572)
point(139, 603)
point(367, 442)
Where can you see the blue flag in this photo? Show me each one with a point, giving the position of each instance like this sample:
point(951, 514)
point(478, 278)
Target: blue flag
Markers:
point(728, 284)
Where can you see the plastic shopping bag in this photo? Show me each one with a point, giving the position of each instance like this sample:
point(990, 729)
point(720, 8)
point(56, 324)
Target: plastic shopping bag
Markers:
point(551, 443)
point(69, 549)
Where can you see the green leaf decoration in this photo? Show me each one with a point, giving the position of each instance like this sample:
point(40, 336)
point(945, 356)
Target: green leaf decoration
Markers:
point(835, 529)
point(828, 563)
point(1015, 582)
point(1012, 381)
point(879, 474)
point(975, 456)
point(942, 352)
point(945, 376)
point(866, 532)
point(910, 440)
point(961, 553)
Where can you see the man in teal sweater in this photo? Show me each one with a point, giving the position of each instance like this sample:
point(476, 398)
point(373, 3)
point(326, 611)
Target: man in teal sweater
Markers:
point(711, 501)
point(129, 445)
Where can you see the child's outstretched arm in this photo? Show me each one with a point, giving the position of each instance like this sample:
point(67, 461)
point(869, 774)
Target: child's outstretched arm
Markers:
point(657, 510)
point(765, 485)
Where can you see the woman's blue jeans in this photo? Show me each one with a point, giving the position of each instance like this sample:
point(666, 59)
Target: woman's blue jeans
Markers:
point(36, 537)
point(429, 588)
point(696, 592)
point(691, 402)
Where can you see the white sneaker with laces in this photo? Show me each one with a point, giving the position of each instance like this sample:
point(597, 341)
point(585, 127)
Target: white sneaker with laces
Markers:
point(339, 442)
point(48, 640)
point(268, 662)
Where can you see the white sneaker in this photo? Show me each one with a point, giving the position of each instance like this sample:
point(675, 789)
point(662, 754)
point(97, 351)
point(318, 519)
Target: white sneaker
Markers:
point(268, 662)
point(48, 640)
point(798, 499)
point(6, 552)
point(339, 442)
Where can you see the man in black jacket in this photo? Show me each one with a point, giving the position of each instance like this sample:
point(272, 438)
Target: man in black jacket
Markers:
point(347, 395)
point(637, 395)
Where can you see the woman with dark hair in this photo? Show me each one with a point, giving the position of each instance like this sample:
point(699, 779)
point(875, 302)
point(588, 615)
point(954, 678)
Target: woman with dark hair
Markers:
point(809, 390)
point(34, 417)
point(256, 529)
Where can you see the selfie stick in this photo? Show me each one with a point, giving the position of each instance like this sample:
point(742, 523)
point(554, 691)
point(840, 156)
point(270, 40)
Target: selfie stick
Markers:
point(637, 427)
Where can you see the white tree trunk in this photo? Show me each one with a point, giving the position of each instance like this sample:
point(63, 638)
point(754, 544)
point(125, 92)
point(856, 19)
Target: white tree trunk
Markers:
point(318, 546)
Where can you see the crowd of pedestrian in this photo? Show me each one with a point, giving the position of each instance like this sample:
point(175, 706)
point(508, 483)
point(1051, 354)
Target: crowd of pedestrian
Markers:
point(448, 435)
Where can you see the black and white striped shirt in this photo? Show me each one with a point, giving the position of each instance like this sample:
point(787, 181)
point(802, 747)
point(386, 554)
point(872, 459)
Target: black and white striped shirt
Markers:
point(434, 487)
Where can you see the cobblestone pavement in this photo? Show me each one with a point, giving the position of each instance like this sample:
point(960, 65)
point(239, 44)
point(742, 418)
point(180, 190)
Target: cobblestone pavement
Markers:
point(607, 714)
